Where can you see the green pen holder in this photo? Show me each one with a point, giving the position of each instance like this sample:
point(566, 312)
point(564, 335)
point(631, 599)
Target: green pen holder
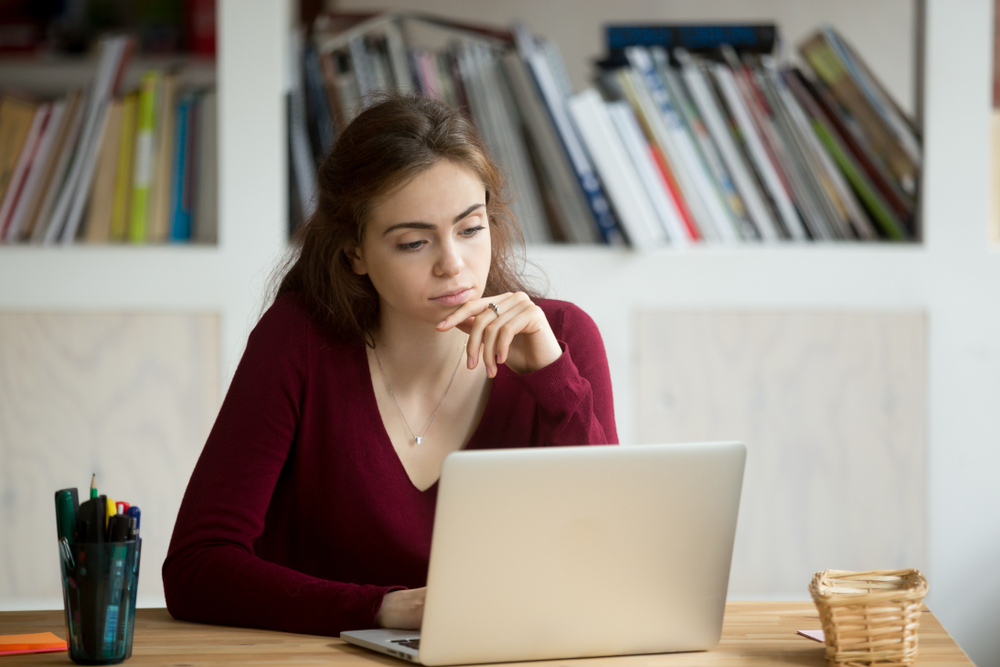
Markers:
point(99, 583)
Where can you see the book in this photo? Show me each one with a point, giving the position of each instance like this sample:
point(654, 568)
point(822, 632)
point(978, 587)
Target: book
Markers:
point(686, 160)
point(121, 210)
point(554, 101)
point(826, 62)
point(709, 151)
point(144, 157)
point(882, 214)
point(320, 118)
point(671, 224)
point(16, 118)
point(808, 143)
point(901, 202)
point(181, 199)
point(160, 186)
point(780, 147)
point(35, 182)
point(577, 222)
point(900, 126)
point(616, 170)
point(54, 180)
point(497, 120)
point(759, 157)
point(18, 176)
point(303, 163)
point(206, 204)
point(756, 37)
point(69, 208)
point(97, 228)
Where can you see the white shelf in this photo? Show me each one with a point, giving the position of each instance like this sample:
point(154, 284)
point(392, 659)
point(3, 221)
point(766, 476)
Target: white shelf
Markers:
point(953, 276)
point(141, 278)
point(186, 277)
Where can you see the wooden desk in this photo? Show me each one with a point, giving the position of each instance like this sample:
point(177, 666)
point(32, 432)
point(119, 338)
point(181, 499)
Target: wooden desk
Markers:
point(754, 633)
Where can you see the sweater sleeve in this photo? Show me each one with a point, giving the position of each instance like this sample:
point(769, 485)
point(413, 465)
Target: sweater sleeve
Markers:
point(573, 393)
point(211, 574)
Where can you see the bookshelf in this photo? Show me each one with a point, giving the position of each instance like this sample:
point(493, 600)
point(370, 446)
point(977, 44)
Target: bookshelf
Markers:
point(953, 275)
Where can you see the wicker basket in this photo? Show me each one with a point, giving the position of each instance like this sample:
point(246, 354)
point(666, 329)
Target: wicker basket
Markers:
point(869, 618)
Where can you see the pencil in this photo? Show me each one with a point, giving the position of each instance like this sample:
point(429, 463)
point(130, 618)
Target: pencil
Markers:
point(93, 485)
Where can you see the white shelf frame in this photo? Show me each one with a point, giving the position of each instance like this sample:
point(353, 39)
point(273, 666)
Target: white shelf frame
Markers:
point(953, 276)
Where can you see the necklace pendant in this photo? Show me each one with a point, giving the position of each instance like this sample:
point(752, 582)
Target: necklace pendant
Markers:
point(419, 438)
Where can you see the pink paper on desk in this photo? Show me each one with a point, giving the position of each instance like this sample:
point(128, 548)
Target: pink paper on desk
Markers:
point(816, 635)
point(39, 642)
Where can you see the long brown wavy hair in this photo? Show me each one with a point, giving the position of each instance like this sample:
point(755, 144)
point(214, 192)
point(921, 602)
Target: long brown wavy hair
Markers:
point(395, 138)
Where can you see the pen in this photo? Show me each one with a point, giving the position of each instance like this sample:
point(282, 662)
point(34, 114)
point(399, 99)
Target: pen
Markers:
point(67, 503)
point(122, 506)
point(134, 513)
point(109, 511)
point(90, 526)
point(93, 485)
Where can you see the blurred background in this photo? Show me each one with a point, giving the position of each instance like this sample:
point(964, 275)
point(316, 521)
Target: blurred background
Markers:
point(792, 242)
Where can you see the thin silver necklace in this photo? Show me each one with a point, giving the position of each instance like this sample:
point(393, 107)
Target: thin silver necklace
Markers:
point(417, 438)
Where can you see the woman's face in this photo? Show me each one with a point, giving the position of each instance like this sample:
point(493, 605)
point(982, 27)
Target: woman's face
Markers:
point(426, 246)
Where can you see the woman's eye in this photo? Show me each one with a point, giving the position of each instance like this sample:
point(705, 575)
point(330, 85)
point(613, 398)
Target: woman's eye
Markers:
point(472, 231)
point(410, 247)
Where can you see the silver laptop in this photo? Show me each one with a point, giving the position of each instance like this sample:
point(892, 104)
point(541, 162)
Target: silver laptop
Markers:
point(571, 552)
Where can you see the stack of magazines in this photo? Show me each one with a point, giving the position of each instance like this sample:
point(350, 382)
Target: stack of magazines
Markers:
point(695, 134)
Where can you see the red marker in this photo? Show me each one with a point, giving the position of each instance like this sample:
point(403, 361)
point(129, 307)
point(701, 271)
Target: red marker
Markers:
point(122, 507)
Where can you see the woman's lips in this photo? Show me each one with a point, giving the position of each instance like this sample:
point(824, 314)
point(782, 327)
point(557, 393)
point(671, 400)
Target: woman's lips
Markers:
point(453, 299)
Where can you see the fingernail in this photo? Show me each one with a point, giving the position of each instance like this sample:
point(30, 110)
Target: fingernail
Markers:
point(472, 362)
point(442, 323)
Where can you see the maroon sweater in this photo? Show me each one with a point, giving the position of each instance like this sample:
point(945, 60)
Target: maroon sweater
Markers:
point(299, 515)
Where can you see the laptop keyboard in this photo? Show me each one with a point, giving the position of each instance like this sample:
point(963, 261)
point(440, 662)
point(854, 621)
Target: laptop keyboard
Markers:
point(408, 643)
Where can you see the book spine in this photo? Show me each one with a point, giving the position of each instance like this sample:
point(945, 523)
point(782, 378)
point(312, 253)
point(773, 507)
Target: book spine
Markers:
point(28, 153)
point(831, 70)
point(205, 224)
point(685, 155)
point(617, 173)
point(121, 208)
point(145, 157)
point(34, 188)
point(696, 125)
point(758, 154)
point(801, 129)
point(606, 222)
point(97, 227)
point(69, 211)
point(670, 226)
point(578, 224)
point(159, 191)
point(179, 222)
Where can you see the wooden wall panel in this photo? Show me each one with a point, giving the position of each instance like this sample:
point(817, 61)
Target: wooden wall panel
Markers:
point(832, 408)
point(128, 396)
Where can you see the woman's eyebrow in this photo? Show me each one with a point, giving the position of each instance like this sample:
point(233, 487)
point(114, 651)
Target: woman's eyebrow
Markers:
point(427, 225)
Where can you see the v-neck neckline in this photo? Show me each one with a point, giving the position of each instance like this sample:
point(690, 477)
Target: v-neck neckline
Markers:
point(383, 434)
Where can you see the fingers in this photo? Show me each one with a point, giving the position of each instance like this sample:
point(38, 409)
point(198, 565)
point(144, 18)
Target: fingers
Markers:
point(498, 333)
point(472, 309)
point(483, 332)
point(403, 609)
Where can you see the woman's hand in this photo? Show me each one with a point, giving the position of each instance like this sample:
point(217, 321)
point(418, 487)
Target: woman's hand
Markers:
point(517, 333)
point(402, 610)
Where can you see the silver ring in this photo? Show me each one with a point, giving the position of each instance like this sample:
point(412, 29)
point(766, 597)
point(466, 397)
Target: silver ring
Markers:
point(495, 309)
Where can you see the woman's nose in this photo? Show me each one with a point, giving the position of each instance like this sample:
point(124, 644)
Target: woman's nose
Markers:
point(449, 261)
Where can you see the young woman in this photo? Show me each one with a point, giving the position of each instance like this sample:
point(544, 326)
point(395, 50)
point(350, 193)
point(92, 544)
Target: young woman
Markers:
point(401, 332)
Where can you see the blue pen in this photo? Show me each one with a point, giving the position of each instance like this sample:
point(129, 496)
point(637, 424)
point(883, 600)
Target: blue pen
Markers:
point(134, 513)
